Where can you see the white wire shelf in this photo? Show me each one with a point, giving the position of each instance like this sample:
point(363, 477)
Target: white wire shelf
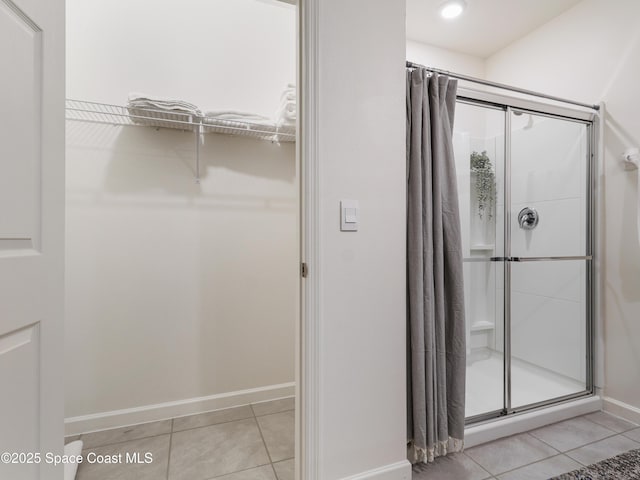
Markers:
point(93, 112)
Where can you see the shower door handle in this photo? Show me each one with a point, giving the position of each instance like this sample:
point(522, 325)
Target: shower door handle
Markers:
point(525, 259)
point(483, 259)
point(548, 259)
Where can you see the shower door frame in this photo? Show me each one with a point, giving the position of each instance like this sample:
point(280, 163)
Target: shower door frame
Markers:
point(590, 119)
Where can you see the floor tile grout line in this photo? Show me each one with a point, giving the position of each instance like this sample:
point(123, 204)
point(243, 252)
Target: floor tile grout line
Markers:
point(624, 434)
point(597, 423)
point(238, 471)
point(532, 463)
point(276, 413)
point(556, 455)
point(170, 446)
point(558, 452)
point(581, 446)
point(609, 428)
point(275, 474)
point(542, 441)
point(578, 448)
point(264, 441)
point(213, 424)
point(125, 441)
point(465, 454)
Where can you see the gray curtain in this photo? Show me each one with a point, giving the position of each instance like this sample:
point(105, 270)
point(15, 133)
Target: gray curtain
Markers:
point(436, 350)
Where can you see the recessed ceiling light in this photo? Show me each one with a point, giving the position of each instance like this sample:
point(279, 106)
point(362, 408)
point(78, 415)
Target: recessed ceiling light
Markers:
point(452, 9)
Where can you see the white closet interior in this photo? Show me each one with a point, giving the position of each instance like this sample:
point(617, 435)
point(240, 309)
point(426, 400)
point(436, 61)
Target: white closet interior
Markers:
point(182, 295)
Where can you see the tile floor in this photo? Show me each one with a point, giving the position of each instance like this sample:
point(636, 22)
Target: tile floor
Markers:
point(541, 453)
point(252, 442)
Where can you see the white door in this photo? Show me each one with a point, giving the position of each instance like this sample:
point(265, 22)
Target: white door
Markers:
point(31, 236)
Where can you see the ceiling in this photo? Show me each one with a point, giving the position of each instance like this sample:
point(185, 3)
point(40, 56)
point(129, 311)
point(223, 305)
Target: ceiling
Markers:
point(485, 27)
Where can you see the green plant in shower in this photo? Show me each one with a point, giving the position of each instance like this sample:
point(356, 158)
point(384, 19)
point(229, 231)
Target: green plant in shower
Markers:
point(485, 183)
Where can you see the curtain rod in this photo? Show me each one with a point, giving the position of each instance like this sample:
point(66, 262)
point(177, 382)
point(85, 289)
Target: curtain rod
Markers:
point(501, 85)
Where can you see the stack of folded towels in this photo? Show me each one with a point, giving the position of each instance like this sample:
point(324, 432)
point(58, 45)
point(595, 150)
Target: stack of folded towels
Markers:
point(235, 116)
point(150, 110)
point(287, 113)
point(140, 100)
point(231, 121)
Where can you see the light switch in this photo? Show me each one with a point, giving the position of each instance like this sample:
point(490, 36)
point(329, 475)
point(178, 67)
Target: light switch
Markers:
point(349, 215)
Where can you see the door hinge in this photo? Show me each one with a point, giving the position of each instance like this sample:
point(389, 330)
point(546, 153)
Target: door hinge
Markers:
point(304, 270)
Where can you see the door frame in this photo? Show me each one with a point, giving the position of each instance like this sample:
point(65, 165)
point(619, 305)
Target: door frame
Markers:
point(308, 427)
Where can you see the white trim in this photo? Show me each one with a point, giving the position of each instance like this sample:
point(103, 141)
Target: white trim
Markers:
point(311, 427)
point(393, 471)
point(621, 409)
point(598, 250)
point(504, 427)
point(161, 411)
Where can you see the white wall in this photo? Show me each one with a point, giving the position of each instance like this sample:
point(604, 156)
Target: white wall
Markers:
point(444, 59)
point(362, 280)
point(592, 53)
point(178, 290)
point(218, 54)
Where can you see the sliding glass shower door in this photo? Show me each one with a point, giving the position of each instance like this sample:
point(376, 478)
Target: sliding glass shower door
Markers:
point(479, 148)
point(523, 179)
point(548, 213)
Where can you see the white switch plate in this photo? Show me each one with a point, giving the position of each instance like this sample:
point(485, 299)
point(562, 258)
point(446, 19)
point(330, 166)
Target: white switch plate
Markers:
point(349, 215)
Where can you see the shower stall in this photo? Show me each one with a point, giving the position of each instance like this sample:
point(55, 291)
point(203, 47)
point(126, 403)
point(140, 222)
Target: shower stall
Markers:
point(525, 173)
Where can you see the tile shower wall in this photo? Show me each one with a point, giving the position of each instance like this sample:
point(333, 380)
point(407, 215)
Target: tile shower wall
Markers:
point(480, 237)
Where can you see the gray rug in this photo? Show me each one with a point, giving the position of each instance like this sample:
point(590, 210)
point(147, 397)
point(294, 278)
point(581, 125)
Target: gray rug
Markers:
point(623, 467)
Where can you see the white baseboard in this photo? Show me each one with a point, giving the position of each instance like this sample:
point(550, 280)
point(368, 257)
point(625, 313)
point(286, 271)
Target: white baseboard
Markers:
point(621, 409)
point(162, 411)
point(394, 471)
point(504, 427)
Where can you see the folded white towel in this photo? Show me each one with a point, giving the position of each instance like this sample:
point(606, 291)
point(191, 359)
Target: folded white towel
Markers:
point(236, 116)
point(288, 97)
point(288, 93)
point(136, 96)
point(140, 100)
point(287, 111)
